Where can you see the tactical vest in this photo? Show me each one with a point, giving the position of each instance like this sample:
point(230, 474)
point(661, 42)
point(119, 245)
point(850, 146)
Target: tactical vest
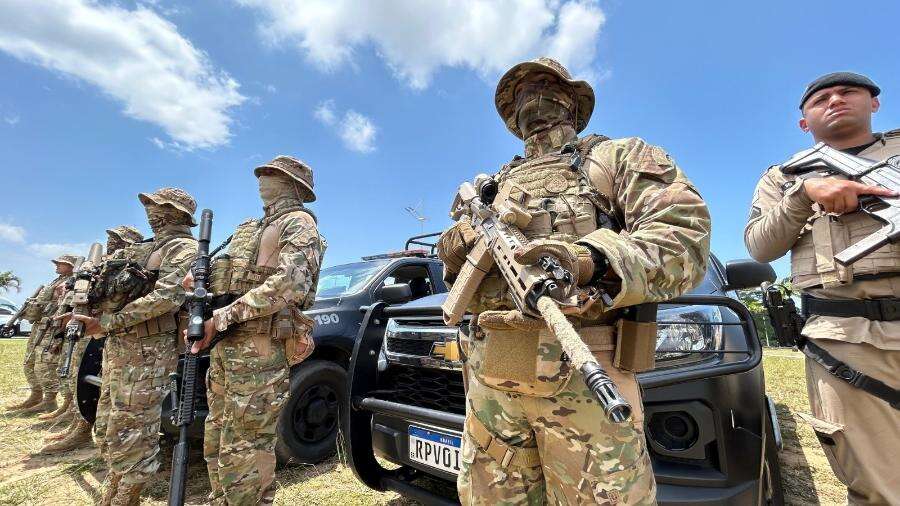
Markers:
point(812, 256)
point(236, 273)
point(562, 202)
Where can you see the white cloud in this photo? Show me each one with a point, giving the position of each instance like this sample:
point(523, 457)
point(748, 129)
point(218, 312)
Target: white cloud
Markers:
point(11, 120)
point(134, 56)
point(325, 112)
point(12, 233)
point(53, 250)
point(416, 38)
point(356, 131)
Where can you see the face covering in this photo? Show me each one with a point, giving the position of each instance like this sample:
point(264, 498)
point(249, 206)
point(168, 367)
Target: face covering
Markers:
point(541, 106)
point(161, 216)
point(276, 187)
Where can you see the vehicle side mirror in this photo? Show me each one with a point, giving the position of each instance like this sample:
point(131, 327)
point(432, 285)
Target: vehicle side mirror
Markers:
point(746, 273)
point(396, 293)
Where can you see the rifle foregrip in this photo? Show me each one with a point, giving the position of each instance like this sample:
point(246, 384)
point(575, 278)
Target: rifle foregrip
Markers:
point(468, 280)
point(188, 390)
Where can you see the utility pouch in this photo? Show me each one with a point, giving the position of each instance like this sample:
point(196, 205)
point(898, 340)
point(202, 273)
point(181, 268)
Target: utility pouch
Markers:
point(517, 354)
point(295, 328)
point(220, 275)
point(636, 339)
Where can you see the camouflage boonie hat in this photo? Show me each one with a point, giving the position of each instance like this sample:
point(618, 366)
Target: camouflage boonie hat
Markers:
point(72, 260)
point(175, 197)
point(296, 169)
point(126, 233)
point(505, 97)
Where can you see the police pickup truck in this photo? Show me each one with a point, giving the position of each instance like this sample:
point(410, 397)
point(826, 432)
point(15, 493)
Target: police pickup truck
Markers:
point(309, 422)
point(711, 429)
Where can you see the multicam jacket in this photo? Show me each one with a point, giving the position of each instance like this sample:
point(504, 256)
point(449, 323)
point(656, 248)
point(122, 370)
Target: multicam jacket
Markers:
point(629, 200)
point(263, 290)
point(44, 304)
point(178, 249)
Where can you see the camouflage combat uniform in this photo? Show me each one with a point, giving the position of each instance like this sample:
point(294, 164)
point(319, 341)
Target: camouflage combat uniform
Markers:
point(533, 433)
point(142, 346)
point(48, 345)
point(857, 431)
point(79, 431)
point(36, 312)
point(128, 236)
point(271, 268)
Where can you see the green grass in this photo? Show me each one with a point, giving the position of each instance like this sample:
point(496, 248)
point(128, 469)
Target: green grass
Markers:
point(73, 478)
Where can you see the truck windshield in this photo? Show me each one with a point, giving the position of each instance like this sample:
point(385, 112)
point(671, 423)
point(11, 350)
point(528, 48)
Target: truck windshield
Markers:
point(346, 279)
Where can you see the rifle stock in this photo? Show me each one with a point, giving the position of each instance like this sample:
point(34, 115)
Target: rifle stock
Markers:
point(478, 263)
point(198, 303)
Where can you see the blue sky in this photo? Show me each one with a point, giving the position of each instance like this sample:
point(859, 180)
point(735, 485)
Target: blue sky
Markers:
point(390, 102)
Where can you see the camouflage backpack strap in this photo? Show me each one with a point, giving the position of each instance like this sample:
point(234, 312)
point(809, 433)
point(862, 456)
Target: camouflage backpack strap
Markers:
point(606, 217)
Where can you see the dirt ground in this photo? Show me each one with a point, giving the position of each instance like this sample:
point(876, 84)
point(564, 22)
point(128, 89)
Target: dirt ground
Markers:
point(73, 478)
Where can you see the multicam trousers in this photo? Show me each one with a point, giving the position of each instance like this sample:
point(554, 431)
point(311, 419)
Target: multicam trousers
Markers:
point(47, 365)
point(247, 385)
point(557, 449)
point(32, 352)
point(132, 433)
point(69, 384)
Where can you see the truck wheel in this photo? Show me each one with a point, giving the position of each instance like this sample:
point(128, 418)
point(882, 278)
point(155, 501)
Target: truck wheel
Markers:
point(773, 493)
point(309, 422)
point(8, 332)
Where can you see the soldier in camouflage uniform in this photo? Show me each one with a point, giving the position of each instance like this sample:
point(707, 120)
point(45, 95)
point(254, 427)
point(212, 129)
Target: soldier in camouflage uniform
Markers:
point(39, 312)
point(79, 429)
point(120, 244)
point(623, 216)
point(270, 275)
point(142, 346)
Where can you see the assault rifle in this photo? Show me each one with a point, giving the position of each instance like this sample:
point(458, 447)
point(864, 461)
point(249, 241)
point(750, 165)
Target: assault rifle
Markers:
point(197, 302)
point(823, 161)
point(10, 326)
point(82, 281)
point(535, 289)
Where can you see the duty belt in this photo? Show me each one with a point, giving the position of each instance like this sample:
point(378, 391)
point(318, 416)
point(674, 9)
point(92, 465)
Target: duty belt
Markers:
point(872, 309)
point(855, 378)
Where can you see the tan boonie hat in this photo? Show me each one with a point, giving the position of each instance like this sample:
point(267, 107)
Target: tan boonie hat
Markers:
point(72, 260)
point(175, 197)
point(505, 97)
point(126, 233)
point(296, 169)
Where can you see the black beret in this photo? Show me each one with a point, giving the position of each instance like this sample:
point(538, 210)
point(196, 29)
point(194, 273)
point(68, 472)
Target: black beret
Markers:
point(838, 78)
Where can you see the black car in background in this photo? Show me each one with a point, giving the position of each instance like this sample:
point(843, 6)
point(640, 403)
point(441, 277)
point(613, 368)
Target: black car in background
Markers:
point(711, 429)
point(308, 424)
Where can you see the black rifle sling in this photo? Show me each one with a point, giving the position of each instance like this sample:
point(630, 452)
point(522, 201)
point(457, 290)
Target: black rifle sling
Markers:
point(855, 378)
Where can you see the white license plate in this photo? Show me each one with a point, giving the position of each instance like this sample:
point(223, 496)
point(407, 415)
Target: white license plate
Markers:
point(434, 449)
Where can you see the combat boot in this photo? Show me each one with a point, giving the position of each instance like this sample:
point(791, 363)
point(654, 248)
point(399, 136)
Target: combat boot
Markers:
point(78, 435)
point(61, 410)
point(109, 486)
point(63, 433)
point(48, 403)
point(127, 494)
point(34, 398)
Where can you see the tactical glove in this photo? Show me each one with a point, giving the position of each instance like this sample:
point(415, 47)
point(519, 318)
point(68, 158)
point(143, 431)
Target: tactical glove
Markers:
point(454, 245)
point(575, 258)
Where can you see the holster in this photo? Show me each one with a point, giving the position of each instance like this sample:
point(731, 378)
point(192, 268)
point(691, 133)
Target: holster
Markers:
point(636, 339)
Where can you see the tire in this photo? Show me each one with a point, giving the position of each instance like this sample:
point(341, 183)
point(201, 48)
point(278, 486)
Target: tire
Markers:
point(309, 422)
point(9, 332)
point(772, 489)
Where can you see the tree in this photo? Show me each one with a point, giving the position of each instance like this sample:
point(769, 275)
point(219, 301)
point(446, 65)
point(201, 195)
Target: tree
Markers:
point(9, 280)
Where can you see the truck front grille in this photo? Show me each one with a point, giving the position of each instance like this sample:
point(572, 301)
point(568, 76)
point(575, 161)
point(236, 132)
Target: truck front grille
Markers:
point(438, 389)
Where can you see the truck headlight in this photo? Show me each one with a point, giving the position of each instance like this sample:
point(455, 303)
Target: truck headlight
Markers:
point(682, 332)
